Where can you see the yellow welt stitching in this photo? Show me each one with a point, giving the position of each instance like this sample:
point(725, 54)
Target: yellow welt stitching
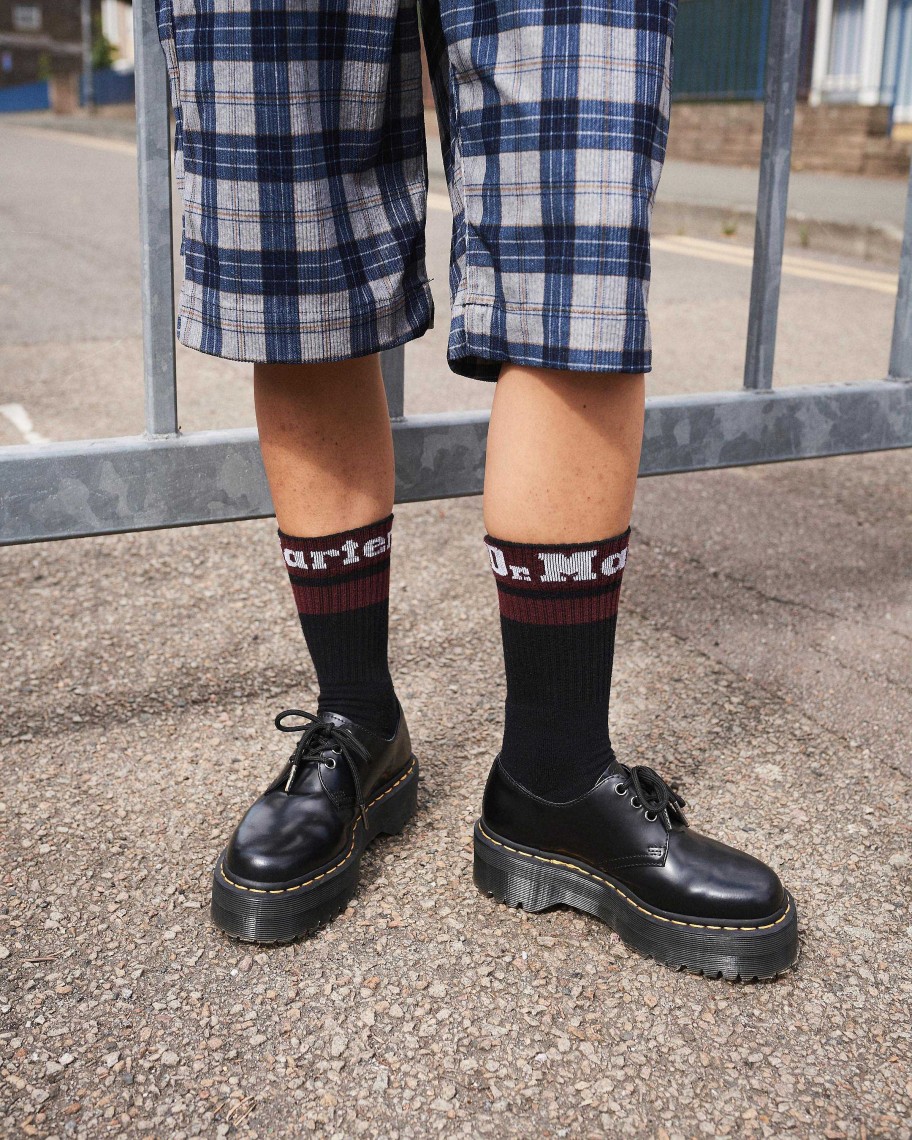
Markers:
point(618, 891)
point(323, 874)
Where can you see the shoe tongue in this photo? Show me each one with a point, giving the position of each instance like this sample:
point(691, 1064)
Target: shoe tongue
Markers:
point(327, 745)
point(614, 769)
point(358, 731)
point(307, 779)
point(337, 719)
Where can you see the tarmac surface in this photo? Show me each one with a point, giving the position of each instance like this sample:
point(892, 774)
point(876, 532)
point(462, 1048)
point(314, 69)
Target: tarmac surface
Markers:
point(763, 662)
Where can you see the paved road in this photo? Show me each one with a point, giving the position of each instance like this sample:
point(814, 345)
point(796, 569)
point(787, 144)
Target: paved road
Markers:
point(763, 662)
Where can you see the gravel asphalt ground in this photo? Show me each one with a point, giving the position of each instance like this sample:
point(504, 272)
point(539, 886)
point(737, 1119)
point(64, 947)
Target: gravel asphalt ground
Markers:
point(144, 671)
point(763, 663)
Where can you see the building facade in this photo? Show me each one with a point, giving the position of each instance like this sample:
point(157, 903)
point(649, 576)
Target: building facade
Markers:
point(41, 38)
point(863, 55)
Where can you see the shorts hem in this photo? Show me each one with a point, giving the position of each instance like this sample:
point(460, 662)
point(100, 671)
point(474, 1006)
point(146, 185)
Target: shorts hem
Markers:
point(489, 334)
point(326, 336)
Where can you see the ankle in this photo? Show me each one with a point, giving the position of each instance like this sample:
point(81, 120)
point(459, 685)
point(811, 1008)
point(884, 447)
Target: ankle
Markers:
point(555, 753)
point(371, 705)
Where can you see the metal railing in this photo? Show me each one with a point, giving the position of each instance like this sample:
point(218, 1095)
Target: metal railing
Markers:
point(165, 479)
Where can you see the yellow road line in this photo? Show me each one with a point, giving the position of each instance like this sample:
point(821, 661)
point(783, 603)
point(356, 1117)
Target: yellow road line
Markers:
point(746, 252)
point(792, 264)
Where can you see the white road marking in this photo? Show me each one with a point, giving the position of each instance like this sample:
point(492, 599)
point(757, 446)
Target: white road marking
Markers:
point(22, 422)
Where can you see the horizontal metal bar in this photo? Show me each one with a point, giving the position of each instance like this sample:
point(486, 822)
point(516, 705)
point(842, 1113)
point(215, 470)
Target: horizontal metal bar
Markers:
point(71, 490)
point(741, 429)
point(76, 489)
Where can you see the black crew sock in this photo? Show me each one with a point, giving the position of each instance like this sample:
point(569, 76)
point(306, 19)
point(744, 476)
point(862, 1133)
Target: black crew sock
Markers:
point(558, 612)
point(341, 588)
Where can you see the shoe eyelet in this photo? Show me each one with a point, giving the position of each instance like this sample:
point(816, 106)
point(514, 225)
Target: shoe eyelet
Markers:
point(329, 761)
point(621, 789)
point(635, 803)
point(651, 816)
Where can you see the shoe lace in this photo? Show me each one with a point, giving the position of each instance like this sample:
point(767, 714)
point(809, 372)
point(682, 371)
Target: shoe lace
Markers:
point(652, 792)
point(315, 740)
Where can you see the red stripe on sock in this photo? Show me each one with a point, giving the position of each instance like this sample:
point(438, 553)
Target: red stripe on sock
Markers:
point(337, 598)
point(567, 610)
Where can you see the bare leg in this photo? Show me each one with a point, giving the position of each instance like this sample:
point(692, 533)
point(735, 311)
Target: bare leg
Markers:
point(326, 442)
point(563, 454)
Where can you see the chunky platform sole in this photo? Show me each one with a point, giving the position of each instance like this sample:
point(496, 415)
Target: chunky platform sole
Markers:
point(277, 912)
point(538, 880)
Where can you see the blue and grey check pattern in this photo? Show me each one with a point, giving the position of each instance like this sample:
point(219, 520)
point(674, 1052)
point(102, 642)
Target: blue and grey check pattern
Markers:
point(300, 159)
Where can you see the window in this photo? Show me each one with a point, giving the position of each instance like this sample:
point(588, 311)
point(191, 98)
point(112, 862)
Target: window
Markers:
point(27, 17)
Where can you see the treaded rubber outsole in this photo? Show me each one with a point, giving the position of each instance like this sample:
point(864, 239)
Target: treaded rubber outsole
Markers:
point(276, 912)
point(539, 880)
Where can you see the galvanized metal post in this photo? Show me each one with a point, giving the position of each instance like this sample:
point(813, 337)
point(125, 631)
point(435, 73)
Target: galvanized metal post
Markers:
point(782, 60)
point(901, 347)
point(393, 364)
point(153, 128)
point(88, 77)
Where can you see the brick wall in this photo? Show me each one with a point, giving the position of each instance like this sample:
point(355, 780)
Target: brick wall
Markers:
point(840, 139)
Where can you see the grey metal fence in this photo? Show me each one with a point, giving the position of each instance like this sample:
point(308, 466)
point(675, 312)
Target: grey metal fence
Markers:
point(165, 479)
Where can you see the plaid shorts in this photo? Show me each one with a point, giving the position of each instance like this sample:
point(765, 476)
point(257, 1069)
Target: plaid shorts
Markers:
point(300, 158)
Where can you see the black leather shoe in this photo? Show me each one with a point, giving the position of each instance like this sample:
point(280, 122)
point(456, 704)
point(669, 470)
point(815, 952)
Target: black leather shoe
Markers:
point(293, 861)
point(625, 854)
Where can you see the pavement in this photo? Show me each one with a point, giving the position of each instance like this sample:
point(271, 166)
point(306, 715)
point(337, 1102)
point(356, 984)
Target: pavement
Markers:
point(763, 663)
point(840, 199)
